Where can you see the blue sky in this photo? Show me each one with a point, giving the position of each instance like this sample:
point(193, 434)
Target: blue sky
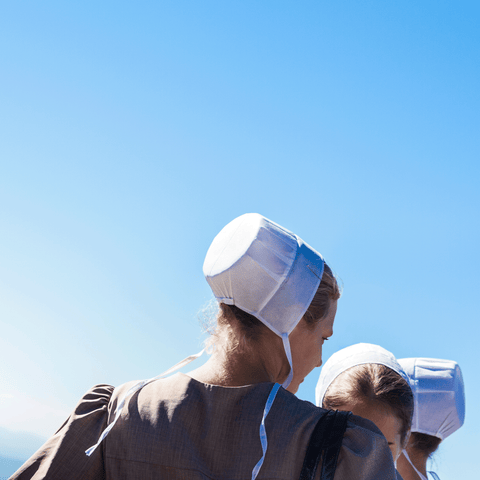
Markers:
point(130, 134)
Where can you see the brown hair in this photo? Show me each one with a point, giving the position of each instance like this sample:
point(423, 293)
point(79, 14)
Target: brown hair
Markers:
point(377, 384)
point(426, 444)
point(252, 328)
point(327, 291)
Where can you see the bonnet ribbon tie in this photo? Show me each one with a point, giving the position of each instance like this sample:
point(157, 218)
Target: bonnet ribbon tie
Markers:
point(421, 475)
point(263, 432)
point(286, 346)
point(135, 389)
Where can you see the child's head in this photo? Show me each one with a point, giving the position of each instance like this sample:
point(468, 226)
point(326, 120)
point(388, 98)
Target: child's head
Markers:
point(439, 395)
point(439, 408)
point(421, 442)
point(367, 380)
point(378, 393)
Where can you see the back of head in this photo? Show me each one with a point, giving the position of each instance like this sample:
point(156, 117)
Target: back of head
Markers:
point(327, 292)
point(439, 396)
point(423, 443)
point(376, 385)
point(264, 271)
point(366, 373)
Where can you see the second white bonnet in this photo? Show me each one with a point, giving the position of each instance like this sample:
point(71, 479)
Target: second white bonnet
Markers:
point(358, 354)
point(438, 393)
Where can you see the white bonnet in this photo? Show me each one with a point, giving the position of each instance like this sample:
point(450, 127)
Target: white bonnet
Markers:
point(439, 395)
point(265, 270)
point(358, 354)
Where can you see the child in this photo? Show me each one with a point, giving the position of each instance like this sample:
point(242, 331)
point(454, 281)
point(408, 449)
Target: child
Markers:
point(367, 380)
point(439, 411)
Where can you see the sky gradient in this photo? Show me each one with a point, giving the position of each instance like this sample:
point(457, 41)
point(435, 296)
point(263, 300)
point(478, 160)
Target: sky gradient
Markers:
point(130, 134)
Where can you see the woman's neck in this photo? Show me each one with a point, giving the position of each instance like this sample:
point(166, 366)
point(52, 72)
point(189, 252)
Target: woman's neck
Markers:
point(235, 363)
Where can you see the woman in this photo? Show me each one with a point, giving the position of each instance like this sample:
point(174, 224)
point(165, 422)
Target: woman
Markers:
point(278, 301)
point(368, 381)
point(439, 411)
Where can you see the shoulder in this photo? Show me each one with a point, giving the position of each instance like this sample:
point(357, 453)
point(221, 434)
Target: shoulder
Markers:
point(364, 453)
point(361, 434)
point(289, 402)
point(95, 398)
point(63, 454)
point(100, 391)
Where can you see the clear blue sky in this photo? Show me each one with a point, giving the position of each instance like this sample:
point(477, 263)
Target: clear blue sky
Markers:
point(131, 133)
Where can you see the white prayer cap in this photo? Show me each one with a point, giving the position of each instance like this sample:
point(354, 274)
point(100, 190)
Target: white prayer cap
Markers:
point(264, 270)
point(349, 357)
point(439, 395)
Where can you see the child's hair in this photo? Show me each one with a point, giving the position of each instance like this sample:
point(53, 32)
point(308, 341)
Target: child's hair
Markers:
point(426, 444)
point(375, 384)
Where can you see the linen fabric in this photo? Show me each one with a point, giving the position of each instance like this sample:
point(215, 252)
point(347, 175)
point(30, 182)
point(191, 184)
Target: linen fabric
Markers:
point(265, 270)
point(358, 354)
point(325, 443)
point(179, 428)
point(439, 395)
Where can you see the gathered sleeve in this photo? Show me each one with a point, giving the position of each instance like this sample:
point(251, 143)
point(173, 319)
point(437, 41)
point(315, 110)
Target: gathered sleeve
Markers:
point(63, 455)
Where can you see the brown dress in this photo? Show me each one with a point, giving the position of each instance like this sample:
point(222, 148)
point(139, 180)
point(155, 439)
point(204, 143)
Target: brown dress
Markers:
point(179, 428)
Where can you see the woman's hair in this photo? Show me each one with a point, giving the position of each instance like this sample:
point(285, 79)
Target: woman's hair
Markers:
point(251, 327)
point(376, 384)
point(426, 444)
point(327, 291)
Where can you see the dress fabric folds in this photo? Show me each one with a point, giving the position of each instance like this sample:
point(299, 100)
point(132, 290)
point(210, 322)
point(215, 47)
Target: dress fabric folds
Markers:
point(178, 428)
point(61, 456)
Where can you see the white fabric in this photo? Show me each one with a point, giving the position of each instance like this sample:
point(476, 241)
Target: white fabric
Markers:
point(432, 475)
point(349, 357)
point(263, 431)
point(264, 270)
point(439, 395)
point(288, 352)
point(420, 474)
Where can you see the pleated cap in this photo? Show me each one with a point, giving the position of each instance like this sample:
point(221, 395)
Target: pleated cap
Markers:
point(358, 354)
point(439, 395)
point(265, 270)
